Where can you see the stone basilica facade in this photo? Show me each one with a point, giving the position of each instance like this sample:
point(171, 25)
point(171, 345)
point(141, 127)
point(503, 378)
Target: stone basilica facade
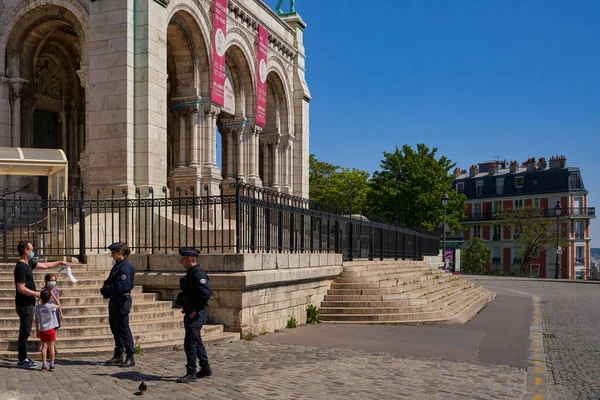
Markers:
point(123, 87)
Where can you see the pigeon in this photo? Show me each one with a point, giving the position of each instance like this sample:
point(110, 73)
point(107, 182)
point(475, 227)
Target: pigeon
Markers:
point(143, 387)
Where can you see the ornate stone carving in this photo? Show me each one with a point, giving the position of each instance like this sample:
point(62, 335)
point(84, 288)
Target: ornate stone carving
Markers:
point(83, 75)
point(47, 80)
point(17, 85)
point(210, 109)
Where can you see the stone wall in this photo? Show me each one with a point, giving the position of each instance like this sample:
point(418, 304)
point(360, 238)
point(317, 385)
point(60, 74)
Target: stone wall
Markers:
point(251, 292)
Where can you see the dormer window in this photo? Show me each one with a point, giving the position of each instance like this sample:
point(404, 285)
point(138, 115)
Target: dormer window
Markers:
point(479, 188)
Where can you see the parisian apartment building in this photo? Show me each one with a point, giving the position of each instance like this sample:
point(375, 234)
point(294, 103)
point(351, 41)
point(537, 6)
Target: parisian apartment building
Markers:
point(494, 186)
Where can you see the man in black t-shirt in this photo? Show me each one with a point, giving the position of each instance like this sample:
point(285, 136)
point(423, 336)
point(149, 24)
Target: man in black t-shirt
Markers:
point(25, 296)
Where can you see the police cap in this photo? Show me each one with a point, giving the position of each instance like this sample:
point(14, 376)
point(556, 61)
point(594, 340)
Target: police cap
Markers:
point(117, 246)
point(188, 252)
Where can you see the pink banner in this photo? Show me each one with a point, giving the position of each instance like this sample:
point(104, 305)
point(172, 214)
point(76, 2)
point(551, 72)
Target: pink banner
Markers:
point(218, 51)
point(261, 74)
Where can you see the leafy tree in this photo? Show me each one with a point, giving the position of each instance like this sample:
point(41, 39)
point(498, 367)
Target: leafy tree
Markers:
point(536, 231)
point(345, 188)
point(475, 257)
point(409, 189)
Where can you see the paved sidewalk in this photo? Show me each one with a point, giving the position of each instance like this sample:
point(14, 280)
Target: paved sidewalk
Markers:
point(484, 359)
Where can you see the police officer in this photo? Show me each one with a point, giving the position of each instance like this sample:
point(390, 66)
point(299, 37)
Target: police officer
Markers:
point(118, 288)
point(194, 296)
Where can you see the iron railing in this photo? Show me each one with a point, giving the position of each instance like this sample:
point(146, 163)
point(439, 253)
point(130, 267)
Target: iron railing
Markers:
point(240, 219)
point(546, 212)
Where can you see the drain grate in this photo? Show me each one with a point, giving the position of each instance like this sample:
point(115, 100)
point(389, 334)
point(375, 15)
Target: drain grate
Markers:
point(549, 335)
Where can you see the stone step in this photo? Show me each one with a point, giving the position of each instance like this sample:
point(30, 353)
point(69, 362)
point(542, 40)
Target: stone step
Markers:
point(370, 270)
point(378, 263)
point(139, 323)
point(72, 292)
point(432, 295)
point(402, 287)
point(68, 301)
point(445, 313)
point(76, 267)
point(378, 276)
point(64, 284)
point(358, 284)
point(62, 276)
point(402, 307)
point(99, 309)
point(149, 341)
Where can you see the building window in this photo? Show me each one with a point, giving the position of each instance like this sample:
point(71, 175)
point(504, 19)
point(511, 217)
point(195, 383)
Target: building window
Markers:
point(517, 258)
point(535, 182)
point(496, 255)
point(477, 210)
point(497, 232)
point(479, 188)
point(518, 203)
point(576, 181)
point(477, 231)
point(460, 187)
point(517, 232)
point(579, 255)
point(519, 181)
point(499, 185)
point(536, 202)
point(497, 206)
point(579, 230)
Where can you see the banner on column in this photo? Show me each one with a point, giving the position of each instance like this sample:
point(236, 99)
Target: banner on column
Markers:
point(261, 74)
point(218, 51)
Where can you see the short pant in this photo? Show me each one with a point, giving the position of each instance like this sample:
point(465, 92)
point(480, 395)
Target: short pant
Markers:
point(48, 336)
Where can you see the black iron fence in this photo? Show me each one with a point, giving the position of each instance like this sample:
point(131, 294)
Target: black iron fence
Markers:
point(242, 218)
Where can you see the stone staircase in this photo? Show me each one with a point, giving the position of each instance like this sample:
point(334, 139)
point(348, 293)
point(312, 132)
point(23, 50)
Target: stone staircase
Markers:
point(85, 330)
point(401, 292)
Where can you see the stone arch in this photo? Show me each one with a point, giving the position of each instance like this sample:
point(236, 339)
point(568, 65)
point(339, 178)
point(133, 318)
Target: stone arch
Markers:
point(278, 83)
point(45, 45)
point(243, 78)
point(70, 12)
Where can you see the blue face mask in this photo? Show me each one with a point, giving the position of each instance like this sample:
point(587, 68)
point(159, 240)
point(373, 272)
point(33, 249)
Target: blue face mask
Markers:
point(52, 284)
point(31, 255)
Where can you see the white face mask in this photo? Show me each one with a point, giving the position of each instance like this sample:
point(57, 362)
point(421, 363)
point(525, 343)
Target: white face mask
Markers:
point(52, 284)
point(31, 255)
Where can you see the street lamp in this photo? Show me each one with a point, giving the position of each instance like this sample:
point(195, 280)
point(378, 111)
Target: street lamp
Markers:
point(557, 211)
point(444, 204)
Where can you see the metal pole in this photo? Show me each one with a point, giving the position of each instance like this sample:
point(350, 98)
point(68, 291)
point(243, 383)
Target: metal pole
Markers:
point(444, 248)
point(556, 265)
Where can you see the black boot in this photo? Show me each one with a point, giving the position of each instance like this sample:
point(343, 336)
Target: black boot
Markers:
point(204, 372)
point(129, 361)
point(117, 358)
point(189, 378)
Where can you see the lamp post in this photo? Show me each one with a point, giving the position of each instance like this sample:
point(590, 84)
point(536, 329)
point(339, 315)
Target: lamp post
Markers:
point(444, 204)
point(557, 211)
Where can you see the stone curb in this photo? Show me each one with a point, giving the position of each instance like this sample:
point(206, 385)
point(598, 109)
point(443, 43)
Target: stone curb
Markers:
point(515, 278)
point(537, 375)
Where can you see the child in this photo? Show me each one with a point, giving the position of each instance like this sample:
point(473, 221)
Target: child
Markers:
point(45, 326)
point(50, 285)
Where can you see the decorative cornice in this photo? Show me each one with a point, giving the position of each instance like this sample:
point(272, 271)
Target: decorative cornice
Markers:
point(163, 3)
point(17, 85)
point(211, 109)
point(83, 75)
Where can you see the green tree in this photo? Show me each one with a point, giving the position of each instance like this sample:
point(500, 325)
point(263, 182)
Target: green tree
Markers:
point(409, 189)
point(536, 231)
point(475, 257)
point(345, 188)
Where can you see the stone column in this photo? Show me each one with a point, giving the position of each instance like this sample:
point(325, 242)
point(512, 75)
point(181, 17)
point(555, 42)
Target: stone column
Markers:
point(181, 160)
point(285, 164)
point(211, 175)
point(229, 138)
point(253, 143)
point(193, 122)
point(16, 86)
point(267, 164)
point(276, 165)
point(240, 155)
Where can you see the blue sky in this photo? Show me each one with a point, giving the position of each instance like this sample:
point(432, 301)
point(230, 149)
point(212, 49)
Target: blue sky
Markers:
point(478, 80)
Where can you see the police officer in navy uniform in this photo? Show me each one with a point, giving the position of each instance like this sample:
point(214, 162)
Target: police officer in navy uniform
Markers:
point(118, 288)
point(194, 296)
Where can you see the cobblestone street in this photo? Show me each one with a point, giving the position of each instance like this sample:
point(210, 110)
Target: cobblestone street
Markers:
point(472, 361)
point(571, 319)
point(255, 370)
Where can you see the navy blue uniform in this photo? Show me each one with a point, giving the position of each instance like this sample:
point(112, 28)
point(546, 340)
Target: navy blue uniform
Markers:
point(118, 288)
point(194, 296)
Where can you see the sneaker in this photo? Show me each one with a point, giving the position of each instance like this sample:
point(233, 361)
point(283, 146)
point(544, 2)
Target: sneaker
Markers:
point(52, 367)
point(44, 367)
point(187, 379)
point(26, 363)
